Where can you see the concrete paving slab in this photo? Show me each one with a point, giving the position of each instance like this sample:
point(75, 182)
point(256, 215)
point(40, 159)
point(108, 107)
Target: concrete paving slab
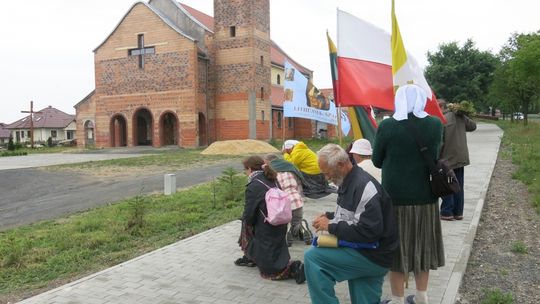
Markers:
point(200, 269)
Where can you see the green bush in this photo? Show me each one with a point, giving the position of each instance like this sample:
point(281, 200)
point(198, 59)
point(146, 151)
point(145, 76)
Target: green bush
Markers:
point(13, 153)
point(11, 146)
point(496, 296)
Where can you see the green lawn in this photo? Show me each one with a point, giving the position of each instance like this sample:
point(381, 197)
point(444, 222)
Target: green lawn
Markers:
point(525, 152)
point(37, 255)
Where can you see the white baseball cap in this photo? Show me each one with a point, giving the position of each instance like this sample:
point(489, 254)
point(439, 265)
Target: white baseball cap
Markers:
point(361, 147)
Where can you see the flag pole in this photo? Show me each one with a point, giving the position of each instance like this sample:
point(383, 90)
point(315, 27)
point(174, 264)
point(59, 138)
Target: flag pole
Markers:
point(339, 125)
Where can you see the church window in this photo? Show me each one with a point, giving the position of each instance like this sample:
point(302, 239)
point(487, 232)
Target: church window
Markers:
point(262, 60)
point(141, 50)
point(278, 79)
point(262, 115)
point(279, 120)
point(232, 31)
point(262, 93)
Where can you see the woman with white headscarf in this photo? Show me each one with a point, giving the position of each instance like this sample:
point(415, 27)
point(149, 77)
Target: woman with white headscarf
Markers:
point(405, 177)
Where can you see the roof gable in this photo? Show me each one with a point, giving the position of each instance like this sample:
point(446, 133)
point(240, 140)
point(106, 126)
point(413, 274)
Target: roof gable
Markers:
point(156, 12)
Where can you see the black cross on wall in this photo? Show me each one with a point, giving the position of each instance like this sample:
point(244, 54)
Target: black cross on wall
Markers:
point(141, 50)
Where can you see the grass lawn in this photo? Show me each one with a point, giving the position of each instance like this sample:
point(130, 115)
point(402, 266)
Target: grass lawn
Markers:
point(38, 255)
point(525, 152)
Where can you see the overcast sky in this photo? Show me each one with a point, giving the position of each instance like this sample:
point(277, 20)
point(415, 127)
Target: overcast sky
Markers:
point(46, 46)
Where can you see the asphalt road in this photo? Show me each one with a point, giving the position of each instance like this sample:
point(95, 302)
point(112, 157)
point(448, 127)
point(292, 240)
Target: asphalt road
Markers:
point(29, 195)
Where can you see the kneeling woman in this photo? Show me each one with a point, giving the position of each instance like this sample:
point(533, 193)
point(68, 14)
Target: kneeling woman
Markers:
point(263, 243)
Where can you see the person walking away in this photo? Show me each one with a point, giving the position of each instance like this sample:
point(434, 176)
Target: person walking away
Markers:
point(264, 244)
point(363, 214)
point(456, 152)
point(315, 185)
point(361, 152)
point(405, 176)
point(289, 178)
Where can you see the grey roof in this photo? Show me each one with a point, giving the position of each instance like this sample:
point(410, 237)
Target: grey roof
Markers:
point(4, 132)
point(48, 118)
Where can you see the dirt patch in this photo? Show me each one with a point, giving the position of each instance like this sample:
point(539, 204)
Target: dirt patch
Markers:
point(239, 147)
point(508, 221)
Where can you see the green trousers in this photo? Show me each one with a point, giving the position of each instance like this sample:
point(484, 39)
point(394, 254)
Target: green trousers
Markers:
point(326, 266)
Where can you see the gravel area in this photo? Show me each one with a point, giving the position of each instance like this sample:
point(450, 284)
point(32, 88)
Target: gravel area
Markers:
point(497, 261)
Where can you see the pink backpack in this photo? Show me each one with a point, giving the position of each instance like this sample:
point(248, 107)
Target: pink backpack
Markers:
point(278, 205)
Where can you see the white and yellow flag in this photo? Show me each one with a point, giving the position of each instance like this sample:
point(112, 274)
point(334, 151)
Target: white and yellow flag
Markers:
point(405, 69)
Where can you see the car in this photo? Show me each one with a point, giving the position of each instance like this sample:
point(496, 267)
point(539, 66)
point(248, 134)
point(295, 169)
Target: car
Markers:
point(517, 115)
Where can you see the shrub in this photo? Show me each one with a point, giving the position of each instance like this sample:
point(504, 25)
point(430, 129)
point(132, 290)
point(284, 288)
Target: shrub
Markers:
point(11, 146)
point(496, 296)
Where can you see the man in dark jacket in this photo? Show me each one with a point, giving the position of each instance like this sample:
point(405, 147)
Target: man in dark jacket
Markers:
point(363, 215)
point(455, 151)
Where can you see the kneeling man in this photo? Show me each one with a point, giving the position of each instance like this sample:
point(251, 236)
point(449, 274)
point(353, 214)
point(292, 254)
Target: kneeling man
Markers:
point(363, 216)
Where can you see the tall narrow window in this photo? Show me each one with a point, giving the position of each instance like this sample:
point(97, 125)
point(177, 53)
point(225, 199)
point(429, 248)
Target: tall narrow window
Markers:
point(262, 60)
point(141, 50)
point(232, 31)
point(262, 115)
point(279, 120)
point(262, 93)
point(290, 122)
point(278, 79)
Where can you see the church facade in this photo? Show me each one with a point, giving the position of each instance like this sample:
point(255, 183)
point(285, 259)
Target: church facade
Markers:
point(171, 75)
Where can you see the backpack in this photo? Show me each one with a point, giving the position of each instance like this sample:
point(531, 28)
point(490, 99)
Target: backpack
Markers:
point(278, 206)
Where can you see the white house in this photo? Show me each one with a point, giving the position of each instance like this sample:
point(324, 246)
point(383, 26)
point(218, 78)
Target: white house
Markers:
point(48, 122)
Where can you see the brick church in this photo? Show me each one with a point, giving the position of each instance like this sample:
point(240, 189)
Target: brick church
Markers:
point(171, 75)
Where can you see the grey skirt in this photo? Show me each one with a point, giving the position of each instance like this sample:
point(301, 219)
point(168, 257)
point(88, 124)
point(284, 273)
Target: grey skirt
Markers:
point(421, 245)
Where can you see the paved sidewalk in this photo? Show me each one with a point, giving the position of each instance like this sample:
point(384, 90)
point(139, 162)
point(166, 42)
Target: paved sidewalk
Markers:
point(200, 269)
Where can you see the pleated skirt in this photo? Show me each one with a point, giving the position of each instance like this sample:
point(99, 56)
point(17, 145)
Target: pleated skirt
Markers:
point(421, 245)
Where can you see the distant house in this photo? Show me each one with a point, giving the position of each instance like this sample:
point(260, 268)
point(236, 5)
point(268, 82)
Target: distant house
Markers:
point(51, 122)
point(4, 134)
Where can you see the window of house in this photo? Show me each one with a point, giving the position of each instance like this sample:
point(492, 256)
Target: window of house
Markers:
point(69, 134)
point(232, 31)
point(279, 116)
point(290, 123)
point(28, 133)
point(278, 79)
point(53, 133)
point(22, 134)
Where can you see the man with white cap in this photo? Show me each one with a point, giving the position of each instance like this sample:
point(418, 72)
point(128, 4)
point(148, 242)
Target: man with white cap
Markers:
point(361, 152)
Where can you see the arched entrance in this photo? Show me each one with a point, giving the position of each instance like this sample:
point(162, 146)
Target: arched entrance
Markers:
point(118, 131)
point(142, 128)
point(202, 130)
point(89, 133)
point(169, 129)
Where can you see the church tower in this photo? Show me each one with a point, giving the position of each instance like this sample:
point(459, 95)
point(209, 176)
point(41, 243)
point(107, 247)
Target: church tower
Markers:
point(242, 67)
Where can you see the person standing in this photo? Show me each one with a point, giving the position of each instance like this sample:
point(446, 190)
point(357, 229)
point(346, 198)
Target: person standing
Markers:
point(264, 244)
point(456, 152)
point(361, 152)
point(405, 176)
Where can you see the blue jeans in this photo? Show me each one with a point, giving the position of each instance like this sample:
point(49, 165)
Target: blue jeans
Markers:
point(452, 205)
point(324, 266)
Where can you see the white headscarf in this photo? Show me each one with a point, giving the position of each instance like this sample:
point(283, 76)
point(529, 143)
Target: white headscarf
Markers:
point(289, 144)
point(410, 98)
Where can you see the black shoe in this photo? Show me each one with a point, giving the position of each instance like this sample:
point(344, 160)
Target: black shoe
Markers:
point(244, 261)
point(300, 275)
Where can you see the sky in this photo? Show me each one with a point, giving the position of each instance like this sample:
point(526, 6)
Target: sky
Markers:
point(46, 46)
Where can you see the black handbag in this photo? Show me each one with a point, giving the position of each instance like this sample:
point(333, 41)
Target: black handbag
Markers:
point(442, 179)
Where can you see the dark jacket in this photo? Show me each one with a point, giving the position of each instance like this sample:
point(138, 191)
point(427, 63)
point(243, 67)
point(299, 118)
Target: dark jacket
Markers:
point(268, 247)
point(405, 175)
point(455, 149)
point(364, 214)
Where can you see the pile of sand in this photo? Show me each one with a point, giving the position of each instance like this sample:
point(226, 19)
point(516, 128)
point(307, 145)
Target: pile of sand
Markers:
point(239, 147)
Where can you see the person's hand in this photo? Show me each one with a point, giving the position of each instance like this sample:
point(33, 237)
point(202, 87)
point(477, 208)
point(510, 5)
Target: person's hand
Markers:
point(320, 223)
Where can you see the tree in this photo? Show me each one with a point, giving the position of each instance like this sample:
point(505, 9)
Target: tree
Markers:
point(516, 86)
point(461, 73)
point(11, 146)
